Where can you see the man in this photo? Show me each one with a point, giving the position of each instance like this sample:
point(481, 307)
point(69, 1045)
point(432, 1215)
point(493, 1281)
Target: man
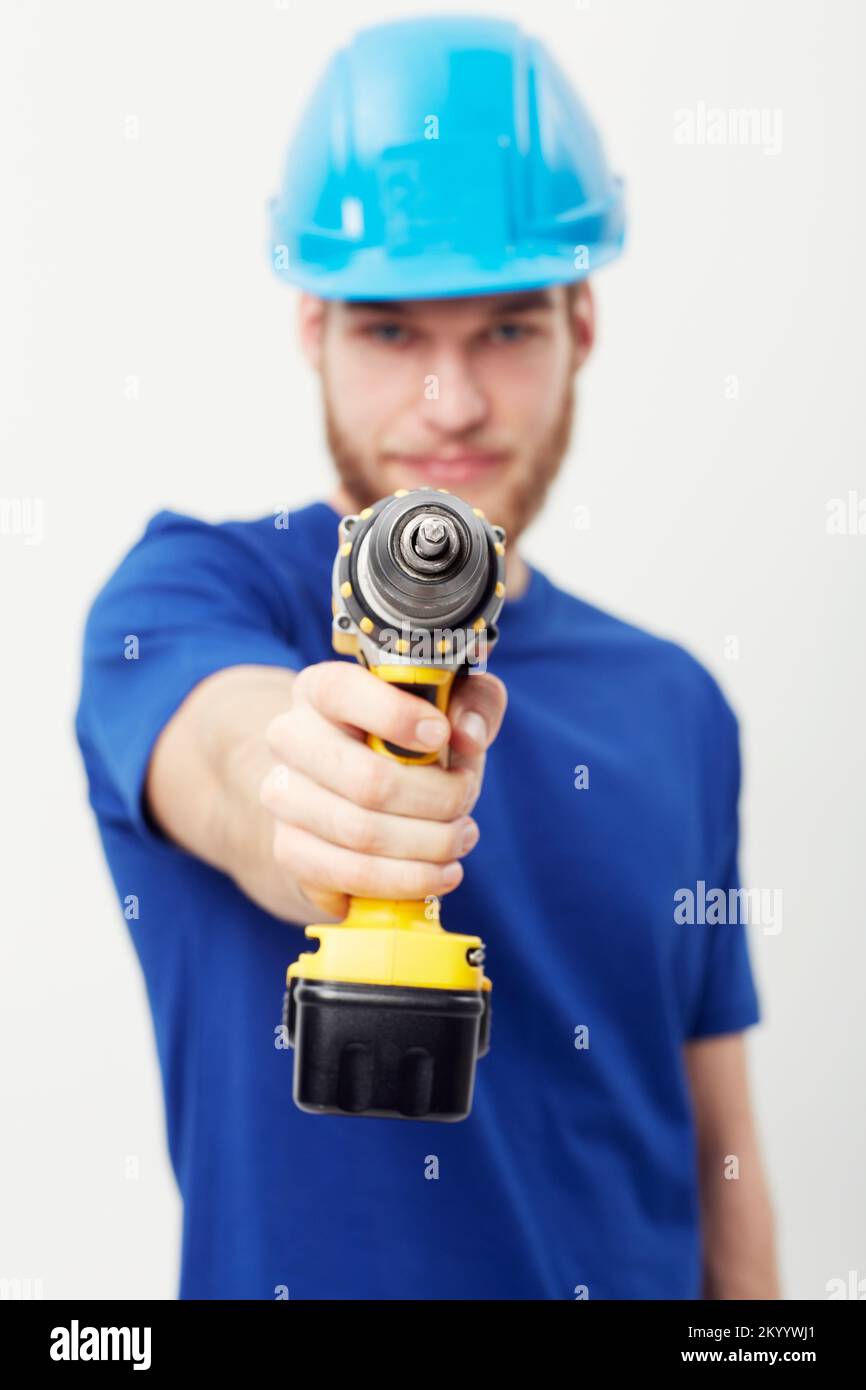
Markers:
point(444, 201)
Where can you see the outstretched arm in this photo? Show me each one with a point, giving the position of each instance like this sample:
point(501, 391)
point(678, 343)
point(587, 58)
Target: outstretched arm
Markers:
point(265, 773)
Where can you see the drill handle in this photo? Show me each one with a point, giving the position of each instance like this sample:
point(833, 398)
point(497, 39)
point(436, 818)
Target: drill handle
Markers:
point(433, 683)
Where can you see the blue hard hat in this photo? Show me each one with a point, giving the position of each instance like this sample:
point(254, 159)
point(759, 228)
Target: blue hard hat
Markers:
point(443, 156)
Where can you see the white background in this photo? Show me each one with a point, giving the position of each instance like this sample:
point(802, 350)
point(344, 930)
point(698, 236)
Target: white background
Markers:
point(147, 258)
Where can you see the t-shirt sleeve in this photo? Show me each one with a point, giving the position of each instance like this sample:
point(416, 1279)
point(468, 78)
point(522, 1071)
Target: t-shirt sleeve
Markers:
point(727, 999)
point(189, 599)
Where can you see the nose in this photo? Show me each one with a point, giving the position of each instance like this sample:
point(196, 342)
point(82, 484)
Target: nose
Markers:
point(452, 401)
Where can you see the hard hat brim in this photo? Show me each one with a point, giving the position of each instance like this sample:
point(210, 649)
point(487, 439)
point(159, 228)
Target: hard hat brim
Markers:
point(374, 276)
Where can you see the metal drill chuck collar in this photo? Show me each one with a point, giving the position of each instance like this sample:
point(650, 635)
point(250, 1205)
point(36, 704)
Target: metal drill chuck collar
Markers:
point(417, 567)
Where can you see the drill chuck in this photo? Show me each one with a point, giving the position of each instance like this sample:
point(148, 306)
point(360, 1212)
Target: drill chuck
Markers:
point(419, 574)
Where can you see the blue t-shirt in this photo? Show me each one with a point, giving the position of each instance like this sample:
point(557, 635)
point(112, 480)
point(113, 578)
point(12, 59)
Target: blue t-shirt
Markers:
point(577, 1167)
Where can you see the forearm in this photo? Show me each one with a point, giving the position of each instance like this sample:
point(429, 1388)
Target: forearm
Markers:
point(738, 1227)
point(736, 1211)
point(204, 777)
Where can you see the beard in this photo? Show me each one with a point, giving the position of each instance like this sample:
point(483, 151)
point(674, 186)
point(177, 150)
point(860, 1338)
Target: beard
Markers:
point(521, 494)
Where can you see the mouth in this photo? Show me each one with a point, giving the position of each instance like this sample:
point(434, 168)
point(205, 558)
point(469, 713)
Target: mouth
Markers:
point(444, 469)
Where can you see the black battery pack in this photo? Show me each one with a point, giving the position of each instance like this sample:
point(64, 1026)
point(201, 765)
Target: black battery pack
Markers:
point(387, 1051)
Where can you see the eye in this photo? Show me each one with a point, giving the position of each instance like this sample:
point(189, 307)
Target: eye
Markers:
point(510, 333)
point(391, 333)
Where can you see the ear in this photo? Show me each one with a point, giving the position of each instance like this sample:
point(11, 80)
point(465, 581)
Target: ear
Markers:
point(311, 327)
point(582, 322)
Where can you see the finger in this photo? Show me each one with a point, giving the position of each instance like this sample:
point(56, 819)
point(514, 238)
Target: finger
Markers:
point(309, 743)
point(334, 869)
point(476, 711)
point(334, 905)
point(292, 797)
point(345, 693)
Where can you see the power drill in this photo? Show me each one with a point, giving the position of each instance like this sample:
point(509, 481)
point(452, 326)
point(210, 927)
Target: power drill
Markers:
point(388, 1015)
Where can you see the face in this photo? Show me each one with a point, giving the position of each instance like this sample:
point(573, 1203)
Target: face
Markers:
point(474, 395)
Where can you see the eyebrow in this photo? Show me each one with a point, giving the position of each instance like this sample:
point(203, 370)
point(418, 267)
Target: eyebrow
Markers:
point(518, 304)
point(523, 303)
point(363, 306)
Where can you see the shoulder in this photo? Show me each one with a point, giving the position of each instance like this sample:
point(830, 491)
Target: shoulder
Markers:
point(183, 569)
point(250, 554)
point(176, 551)
point(170, 531)
point(186, 575)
